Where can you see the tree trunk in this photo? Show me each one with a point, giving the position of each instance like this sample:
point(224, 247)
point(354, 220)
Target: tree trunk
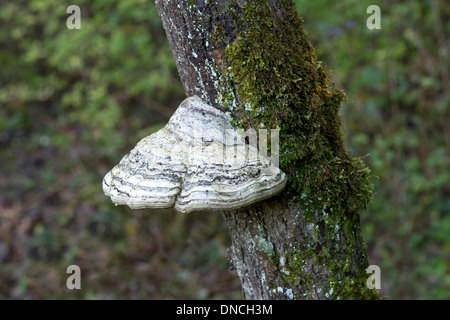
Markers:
point(253, 60)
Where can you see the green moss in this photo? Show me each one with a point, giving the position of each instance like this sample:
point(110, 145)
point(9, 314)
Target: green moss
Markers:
point(346, 277)
point(278, 82)
point(274, 74)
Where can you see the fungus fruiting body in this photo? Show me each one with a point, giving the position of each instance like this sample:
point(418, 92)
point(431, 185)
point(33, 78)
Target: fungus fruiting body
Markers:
point(197, 162)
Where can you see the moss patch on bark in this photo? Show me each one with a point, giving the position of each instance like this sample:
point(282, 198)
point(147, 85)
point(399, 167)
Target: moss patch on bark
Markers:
point(273, 73)
point(279, 83)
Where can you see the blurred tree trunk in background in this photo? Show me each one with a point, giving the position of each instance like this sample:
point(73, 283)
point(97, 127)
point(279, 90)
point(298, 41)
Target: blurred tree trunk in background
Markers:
point(253, 60)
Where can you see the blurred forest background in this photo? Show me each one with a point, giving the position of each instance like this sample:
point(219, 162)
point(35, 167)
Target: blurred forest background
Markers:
point(73, 102)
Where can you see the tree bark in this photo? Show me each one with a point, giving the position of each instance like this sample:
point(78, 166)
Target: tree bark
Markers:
point(305, 243)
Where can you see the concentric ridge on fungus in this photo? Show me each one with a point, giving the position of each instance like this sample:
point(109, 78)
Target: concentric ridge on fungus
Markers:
point(197, 162)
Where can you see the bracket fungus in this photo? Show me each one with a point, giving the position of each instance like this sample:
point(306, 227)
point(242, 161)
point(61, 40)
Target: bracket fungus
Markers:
point(197, 162)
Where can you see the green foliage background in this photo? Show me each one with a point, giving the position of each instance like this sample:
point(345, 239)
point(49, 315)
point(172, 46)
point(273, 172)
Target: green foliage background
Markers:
point(73, 102)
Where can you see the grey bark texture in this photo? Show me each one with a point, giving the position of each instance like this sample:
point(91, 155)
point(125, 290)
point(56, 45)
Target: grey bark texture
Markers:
point(276, 252)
